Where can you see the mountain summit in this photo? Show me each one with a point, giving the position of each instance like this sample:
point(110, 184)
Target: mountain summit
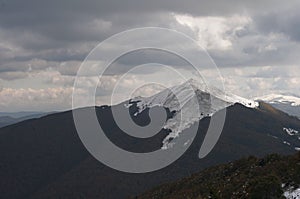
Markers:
point(189, 103)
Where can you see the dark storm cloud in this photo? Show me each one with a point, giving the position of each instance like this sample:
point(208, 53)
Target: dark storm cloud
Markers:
point(61, 31)
point(284, 21)
point(61, 22)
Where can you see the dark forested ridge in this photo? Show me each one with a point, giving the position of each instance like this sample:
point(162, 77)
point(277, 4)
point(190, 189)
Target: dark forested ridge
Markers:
point(250, 177)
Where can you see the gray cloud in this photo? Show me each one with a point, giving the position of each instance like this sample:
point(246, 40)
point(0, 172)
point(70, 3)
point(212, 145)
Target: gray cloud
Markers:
point(13, 75)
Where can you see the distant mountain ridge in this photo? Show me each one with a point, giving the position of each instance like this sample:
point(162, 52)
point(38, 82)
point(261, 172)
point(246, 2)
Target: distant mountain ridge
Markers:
point(287, 103)
point(13, 118)
point(20, 114)
point(281, 98)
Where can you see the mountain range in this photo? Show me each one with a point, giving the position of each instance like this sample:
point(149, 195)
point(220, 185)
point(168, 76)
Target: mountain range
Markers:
point(45, 158)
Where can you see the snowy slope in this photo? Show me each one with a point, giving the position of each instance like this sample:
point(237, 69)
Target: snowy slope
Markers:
point(286, 103)
point(183, 100)
point(278, 98)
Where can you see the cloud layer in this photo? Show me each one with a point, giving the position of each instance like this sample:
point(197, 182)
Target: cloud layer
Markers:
point(254, 42)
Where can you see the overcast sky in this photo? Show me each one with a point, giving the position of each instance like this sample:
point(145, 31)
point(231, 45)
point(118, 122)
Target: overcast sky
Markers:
point(255, 44)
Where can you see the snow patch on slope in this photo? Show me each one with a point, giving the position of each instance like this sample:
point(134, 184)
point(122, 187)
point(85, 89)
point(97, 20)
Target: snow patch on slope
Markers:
point(290, 131)
point(287, 143)
point(292, 194)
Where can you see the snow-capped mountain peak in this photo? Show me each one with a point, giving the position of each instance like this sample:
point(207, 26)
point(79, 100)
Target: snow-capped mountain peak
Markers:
point(190, 101)
point(279, 98)
point(286, 103)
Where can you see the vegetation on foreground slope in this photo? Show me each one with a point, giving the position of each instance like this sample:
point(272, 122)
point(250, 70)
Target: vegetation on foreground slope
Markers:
point(250, 177)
